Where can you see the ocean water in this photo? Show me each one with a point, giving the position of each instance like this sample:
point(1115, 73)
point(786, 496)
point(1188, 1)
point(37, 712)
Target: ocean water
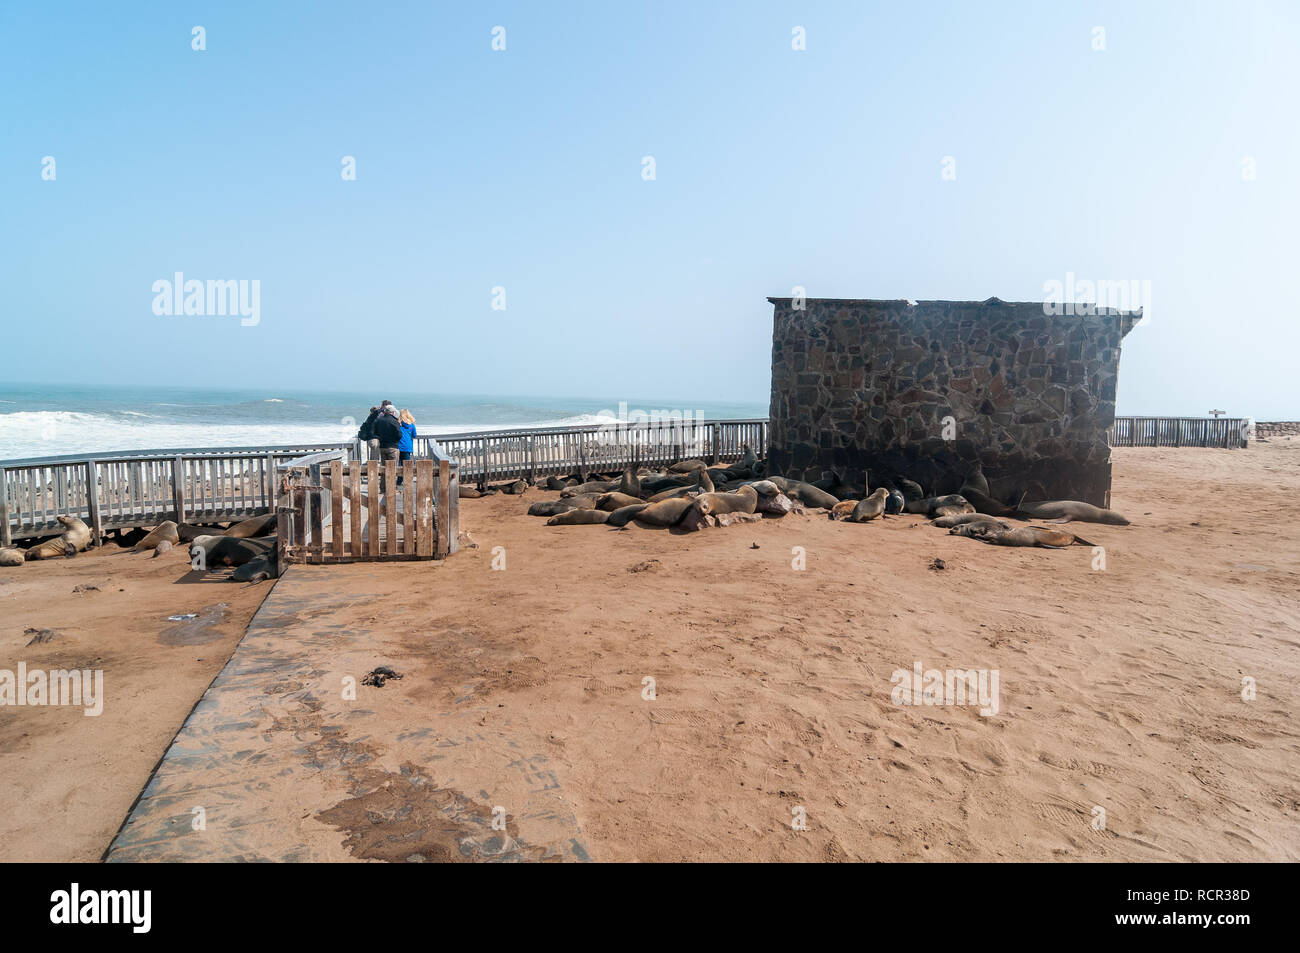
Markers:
point(39, 420)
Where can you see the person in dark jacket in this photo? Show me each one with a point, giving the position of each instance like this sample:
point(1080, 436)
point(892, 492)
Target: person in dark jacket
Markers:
point(367, 434)
point(388, 431)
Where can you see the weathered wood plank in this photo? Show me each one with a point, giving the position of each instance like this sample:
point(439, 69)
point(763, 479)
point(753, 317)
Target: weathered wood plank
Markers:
point(408, 508)
point(424, 481)
point(354, 504)
point(337, 529)
point(373, 511)
point(390, 508)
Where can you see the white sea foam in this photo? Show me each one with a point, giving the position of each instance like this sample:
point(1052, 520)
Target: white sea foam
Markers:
point(57, 432)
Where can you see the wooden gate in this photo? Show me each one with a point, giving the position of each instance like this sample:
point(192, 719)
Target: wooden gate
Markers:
point(334, 511)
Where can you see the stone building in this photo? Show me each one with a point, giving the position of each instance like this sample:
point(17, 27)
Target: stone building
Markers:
point(925, 389)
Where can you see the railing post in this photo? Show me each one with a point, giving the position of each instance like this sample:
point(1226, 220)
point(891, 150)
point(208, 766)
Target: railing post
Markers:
point(715, 434)
point(532, 459)
point(442, 509)
point(6, 535)
point(482, 457)
point(92, 501)
point(582, 458)
point(272, 491)
point(178, 488)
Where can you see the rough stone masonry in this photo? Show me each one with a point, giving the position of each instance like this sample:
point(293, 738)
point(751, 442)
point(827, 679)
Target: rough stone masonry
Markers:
point(925, 389)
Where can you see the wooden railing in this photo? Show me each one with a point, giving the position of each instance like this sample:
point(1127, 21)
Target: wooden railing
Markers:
point(1226, 432)
point(124, 490)
point(333, 510)
point(496, 455)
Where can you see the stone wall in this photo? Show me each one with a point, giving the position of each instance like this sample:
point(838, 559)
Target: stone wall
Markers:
point(1276, 428)
point(863, 386)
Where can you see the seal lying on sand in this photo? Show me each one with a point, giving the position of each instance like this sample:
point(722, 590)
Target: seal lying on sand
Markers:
point(75, 538)
point(228, 550)
point(1066, 510)
point(255, 570)
point(804, 493)
point(960, 519)
point(895, 502)
point(578, 518)
point(665, 512)
point(1043, 536)
point(624, 514)
point(932, 505)
point(609, 502)
point(687, 466)
point(165, 532)
point(555, 507)
point(12, 557)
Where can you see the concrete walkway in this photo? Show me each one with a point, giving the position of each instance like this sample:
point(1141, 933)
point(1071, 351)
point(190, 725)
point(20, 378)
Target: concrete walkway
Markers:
point(288, 757)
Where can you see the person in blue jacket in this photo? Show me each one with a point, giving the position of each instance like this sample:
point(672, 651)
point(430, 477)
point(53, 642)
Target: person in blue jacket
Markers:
point(407, 444)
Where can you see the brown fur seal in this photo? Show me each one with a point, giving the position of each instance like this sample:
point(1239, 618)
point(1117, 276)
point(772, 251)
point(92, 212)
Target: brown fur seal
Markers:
point(984, 503)
point(609, 502)
point(675, 493)
point(976, 481)
point(556, 507)
point(255, 570)
point(743, 500)
point(1043, 536)
point(952, 509)
point(870, 508)
point(163, 532)
point(665, 512)
point(256, 526)
point(686, 466)
point(843, 509)
point(555, 483)
point(703, 482)
point(228, 551)
point(805, 493)
point(578, 518)
point(12, 557)
point(75, 538)
point(623, 515)
point(928, 505)
point(164, 547)
point(960, 519)
point(1066, 510)
point(629, 484)
point(591, 486)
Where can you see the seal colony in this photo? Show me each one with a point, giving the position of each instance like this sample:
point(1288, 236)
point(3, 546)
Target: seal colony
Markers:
point(249, 545)
point(691, 495)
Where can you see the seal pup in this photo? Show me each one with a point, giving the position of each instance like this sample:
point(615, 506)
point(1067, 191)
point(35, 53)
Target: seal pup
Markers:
point(894, 503)
point(870, 508)
point(12, 557)
point(623, 515)
point(164, 547)
point(744, 500)
point(591, 486)
point(578, 518)
point(74, 538)
point(665, 512)
point(1064, 511)
point(842, 510)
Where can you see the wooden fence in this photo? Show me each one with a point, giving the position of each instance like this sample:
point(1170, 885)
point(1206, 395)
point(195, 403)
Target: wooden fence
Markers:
point(121, 491)
point(335, 510)
point(1226, 432)
point(496, 455)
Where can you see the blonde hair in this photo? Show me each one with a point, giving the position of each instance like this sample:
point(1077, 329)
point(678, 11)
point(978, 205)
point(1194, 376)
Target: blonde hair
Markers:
point(406, 417)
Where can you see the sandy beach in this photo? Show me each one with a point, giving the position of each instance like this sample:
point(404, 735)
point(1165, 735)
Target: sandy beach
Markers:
point(1120, 689)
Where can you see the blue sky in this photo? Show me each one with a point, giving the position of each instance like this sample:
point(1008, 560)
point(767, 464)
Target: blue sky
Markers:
point(523, 169)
